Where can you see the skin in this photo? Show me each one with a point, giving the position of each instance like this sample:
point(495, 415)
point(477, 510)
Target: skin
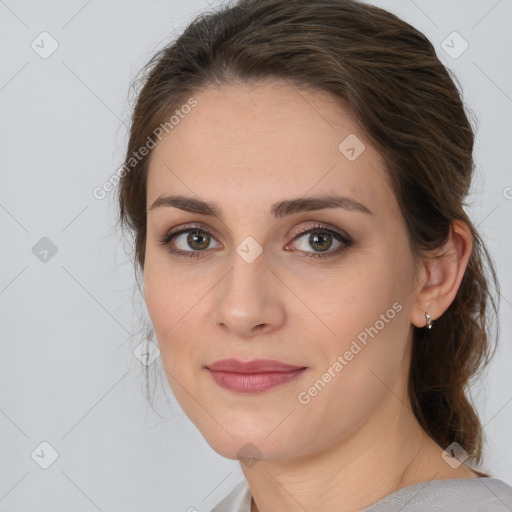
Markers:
point(246, 147)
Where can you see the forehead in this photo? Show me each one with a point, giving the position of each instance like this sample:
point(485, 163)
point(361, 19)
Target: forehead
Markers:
point(255, 144)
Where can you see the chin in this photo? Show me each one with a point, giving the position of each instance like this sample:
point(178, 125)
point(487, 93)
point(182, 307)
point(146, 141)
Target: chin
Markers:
point(248, 447)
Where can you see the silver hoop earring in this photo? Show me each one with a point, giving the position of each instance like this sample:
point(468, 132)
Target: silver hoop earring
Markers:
point(429, 321)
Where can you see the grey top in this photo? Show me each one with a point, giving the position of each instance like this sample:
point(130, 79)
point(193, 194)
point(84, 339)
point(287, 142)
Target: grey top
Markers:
point(484, 494)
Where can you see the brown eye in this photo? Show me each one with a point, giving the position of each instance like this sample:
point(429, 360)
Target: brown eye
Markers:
point(321, 239)
point(190, 242)
point(198, 240)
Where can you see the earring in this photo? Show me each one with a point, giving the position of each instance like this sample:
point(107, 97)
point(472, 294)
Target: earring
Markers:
point(429, 321)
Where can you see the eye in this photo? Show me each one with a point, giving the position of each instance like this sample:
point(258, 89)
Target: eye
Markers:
point(322, 239)
point(191, 241)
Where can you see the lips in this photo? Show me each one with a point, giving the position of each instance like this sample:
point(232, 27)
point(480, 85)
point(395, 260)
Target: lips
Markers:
point(254, 366)
point(252, 376)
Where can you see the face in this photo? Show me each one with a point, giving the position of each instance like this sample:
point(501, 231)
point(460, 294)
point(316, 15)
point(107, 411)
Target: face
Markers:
point(267, 272)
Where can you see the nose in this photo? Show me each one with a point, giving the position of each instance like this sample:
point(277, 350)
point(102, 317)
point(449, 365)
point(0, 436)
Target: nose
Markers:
point(247, 301)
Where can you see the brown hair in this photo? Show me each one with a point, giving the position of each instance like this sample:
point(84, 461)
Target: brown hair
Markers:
point(388, 75)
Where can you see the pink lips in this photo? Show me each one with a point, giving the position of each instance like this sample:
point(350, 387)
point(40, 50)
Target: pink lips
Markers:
point(252, 376)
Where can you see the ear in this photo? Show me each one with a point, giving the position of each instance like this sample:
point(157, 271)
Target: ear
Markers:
point(441, 275)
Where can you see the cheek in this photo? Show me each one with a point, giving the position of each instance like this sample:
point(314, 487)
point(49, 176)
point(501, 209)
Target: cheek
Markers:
point(160, 303)
point(366, 308)
point(169, 291)
point(169, 301)
point(177, 299)
point(364, 361)
point(371, 318)
point(351, 298)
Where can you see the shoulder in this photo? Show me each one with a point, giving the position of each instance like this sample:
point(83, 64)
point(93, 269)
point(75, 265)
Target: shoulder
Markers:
point(484, 494)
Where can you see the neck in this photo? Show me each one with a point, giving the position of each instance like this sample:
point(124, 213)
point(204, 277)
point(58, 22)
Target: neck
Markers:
point(357, 471)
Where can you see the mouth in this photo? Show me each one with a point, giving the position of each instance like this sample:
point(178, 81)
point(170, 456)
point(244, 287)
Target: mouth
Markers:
point(253, 376)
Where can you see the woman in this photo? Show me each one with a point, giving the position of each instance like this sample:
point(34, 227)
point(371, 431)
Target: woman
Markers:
point(295, 179)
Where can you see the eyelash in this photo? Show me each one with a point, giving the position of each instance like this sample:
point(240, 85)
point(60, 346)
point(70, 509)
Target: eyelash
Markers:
point(317, 228)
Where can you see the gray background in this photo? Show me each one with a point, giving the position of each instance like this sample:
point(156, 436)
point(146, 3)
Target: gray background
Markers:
point(70, 320)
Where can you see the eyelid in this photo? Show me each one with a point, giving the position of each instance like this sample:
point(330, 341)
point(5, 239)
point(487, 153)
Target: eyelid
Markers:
point(319, 226)
point(340, 235)
point(190, 227)
point(170, 235)
point(184, 228)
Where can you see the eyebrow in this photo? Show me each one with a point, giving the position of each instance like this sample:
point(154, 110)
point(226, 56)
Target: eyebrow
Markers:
point(278, 210)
